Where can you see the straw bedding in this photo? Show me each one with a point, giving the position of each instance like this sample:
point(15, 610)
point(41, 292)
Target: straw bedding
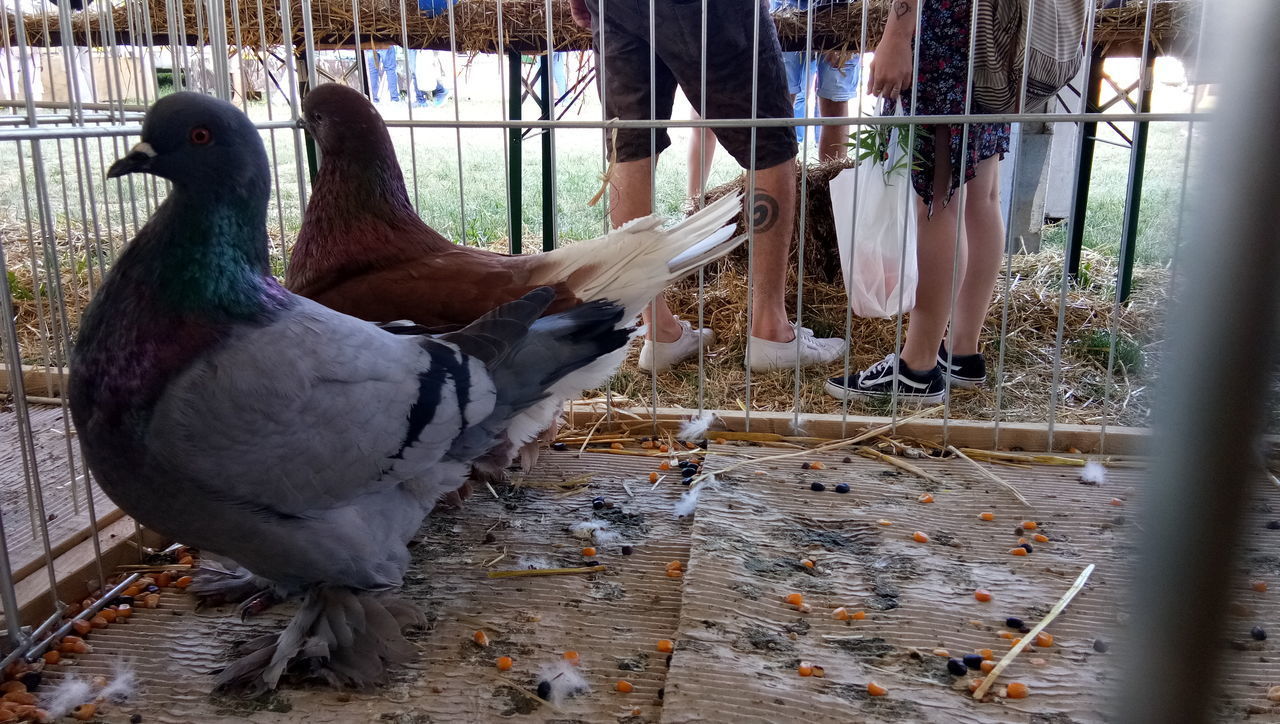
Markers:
point(524, 23)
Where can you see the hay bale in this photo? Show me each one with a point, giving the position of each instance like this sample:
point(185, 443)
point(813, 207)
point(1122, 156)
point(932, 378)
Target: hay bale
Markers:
point(475, 23)
point(821, 255)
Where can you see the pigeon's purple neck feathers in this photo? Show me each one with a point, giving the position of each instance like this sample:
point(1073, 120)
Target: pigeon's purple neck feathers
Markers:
point(197, 270)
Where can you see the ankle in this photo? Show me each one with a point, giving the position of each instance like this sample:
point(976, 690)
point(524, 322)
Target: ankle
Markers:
point(665, 329)
point(773, 330)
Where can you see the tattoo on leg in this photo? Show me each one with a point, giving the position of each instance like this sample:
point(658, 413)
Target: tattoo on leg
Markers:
point(764, 212)
point(901, 8)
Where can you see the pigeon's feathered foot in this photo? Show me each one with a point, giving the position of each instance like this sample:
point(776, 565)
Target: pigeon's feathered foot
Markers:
point(343, 637)
point(218, 586)
point(454, 499)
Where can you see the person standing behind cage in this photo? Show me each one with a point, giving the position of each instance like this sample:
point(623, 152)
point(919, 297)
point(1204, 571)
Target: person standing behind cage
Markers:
point(941, 153)
point(837, 85)
point(621, 28)
point(382, 65)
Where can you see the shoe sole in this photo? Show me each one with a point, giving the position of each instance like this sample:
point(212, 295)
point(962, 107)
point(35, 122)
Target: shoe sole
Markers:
point(844, 393)
point(965, 383)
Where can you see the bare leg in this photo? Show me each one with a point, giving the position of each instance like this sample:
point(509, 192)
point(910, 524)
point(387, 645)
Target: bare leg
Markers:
point(702, 151)
point(935, 257)
point(832, 140)
point(984, 231)
point(631, 193)
point(773, 213)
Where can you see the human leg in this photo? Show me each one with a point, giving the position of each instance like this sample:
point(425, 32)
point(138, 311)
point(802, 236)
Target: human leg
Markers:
point(936, 259)
point(372, 62)
point(984, 232)
point(702, 151)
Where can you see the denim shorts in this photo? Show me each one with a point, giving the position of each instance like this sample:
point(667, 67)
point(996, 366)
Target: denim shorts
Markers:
point(633, 90)
point(834, 84)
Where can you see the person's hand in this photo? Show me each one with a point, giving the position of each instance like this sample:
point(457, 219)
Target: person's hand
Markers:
point(578, 8)
point(890, 71)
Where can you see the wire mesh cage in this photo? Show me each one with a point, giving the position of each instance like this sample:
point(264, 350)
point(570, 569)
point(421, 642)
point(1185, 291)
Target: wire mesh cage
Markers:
point(1052, 260)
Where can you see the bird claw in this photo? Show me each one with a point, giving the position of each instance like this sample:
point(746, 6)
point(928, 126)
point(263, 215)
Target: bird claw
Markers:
point(258, 603)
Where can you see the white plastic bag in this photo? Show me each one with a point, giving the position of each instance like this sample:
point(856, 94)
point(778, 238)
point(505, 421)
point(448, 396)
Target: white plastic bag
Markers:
point(875, 233)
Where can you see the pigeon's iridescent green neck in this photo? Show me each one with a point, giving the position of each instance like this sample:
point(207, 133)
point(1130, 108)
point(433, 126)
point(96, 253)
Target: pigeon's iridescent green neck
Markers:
point(213, 260)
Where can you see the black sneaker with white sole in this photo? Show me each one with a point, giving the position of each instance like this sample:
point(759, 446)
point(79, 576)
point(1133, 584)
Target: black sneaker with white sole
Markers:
point(881, 379)
point(966, 370)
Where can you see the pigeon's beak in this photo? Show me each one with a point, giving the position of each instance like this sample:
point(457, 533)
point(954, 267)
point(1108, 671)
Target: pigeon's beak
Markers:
point(139, 159)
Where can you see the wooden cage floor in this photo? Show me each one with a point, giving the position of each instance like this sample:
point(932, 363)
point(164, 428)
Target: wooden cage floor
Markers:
point(737, 641)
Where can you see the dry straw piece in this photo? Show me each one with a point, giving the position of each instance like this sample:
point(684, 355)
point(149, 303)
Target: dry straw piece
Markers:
point(475, 25)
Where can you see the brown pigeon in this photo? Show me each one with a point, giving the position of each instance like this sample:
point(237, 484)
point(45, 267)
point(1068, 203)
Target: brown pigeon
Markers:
point(363, 250)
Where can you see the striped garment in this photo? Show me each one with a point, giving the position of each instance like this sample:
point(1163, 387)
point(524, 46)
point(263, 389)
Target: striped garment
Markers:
point(1042, 37)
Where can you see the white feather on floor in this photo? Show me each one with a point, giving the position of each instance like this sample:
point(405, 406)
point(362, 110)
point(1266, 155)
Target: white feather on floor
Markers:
point(564, 679)
point(695, 429)
point(1093, 473)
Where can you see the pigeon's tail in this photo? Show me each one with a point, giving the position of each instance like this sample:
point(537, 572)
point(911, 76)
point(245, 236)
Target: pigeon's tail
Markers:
point(535, 363)
point(343, 637)
point(635, 262)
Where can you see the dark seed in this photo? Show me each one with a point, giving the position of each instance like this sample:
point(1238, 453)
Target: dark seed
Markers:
point(1274, 525)
point(135, 719)
point(1100, 646)
point(668, 659)
point(1025, 629)
point(544, 690)
point(559, 446)
point(957, 667)
point(847, 460)
point(1018, 531)
point(973, 661)
point(31, 680)
point(662, 693)
point(842, 487)
point(153, 589)
point(686, 481)
point(598, 503)
point(627, 550)
point(817, 487)
point(704, 443)
point(1258, 633)
point(1026, 546)
point(804, 466)
point(588, 564)
point(1013, 622)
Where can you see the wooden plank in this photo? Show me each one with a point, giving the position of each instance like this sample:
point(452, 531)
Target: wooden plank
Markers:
point(1032, 437)
point(76, 570)
point(38, 381)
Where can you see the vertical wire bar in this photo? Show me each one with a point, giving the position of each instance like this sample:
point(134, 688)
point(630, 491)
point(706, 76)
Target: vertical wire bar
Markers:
point(1186, 158)
point(457, 116)
point(1136, 161)
point(653, 195)
point(514, 213)
point(704, 174)
point(1205, 457)
point(411, 97)
point(750, 202)
point(853, 236)
point(552, 94)
point(1065, 281)
point(275, 153)
point(803, 200)
point(605, 148)
point(295, 102)
point(911, 208)
point(962, 196)
point(217, 11)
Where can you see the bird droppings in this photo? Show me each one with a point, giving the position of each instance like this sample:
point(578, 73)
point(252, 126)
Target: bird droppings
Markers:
point(762, 639)
point(872, 647)
point(637, 662)
point(515, 701)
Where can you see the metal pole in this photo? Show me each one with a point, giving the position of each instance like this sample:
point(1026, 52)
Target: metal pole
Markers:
point(515, 202)
point(1222, 343)
point(1084, 163)
point(547, 103)
point(1137, 169)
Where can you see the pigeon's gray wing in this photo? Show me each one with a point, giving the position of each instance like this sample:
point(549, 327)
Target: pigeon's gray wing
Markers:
point(317, 409)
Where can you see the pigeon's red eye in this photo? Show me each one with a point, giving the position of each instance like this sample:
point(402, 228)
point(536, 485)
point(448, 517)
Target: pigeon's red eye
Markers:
point(200, 135)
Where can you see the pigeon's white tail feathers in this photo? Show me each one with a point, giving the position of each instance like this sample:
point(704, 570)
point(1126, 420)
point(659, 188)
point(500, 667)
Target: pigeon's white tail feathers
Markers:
point(633, 263)
point(341, 636)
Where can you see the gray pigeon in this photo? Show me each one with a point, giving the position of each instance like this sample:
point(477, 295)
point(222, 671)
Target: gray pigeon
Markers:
point(220, 410)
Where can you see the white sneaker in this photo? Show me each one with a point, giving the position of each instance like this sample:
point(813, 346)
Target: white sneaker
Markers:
point(765, 354)
point(661, 355)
